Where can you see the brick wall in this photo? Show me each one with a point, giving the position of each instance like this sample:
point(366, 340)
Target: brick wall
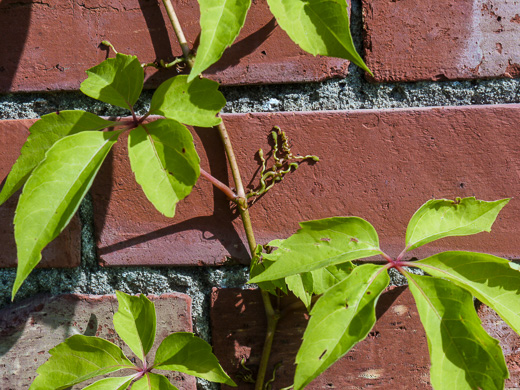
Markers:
point(439, 119)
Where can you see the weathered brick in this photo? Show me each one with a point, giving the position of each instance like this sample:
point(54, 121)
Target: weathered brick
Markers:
point(408, 40)
point(394, 353)
point(52, 43)
point(381, 165)
point(29, 329)
point(65, 251)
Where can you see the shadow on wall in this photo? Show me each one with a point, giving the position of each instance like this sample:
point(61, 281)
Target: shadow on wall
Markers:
point(15, 18)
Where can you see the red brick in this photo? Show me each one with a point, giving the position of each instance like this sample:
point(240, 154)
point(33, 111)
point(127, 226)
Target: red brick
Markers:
point(395, 351)
point(52, 43)
point(410, 40)
point(381, 165)
point(30, 328)
point(65, 251)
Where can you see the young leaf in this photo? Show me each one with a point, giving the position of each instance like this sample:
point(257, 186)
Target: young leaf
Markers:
point(318, 281)
point(186, 353)
point(43, 134)
point(491, 279)
point(439, 218)
point(195, 103)
point(117, 81)
point(78, 359)
point(53, 193)
point(164, 161)
point(119, 383)
point(220, 23)
point(153, 382)
point(342, 317)
point(135, 323)
point(318, 27)
point(319, 244)
point(463, 355)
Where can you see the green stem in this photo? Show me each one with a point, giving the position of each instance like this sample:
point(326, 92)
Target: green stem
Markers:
point(241, 200)
point(178, 32)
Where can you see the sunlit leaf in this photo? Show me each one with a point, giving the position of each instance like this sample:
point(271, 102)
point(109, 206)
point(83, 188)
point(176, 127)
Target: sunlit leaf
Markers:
point(43, 134)
point(316, 282)
point(78, 359)
point(135, 323)
point(153, 381)
point(119, 383)
point(342, 317)
point(318, 27)
point(196, 103)
point(220, 23)
point(439, 218)
point(489, 278)
point(259, 265)
point(319, 244)
point(463, 355)
point(54, 192)
point(118, 81)
point(186, 353)
point(165, 162)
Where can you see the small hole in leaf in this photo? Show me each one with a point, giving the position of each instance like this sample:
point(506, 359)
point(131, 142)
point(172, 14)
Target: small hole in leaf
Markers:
point(325, 239)
point(323, 354)
point(346, 305)
point(353, 239)
point(368, 292)
point(183, 150)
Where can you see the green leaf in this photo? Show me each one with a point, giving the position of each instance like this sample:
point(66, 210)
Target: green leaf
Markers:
point(489, 278)
point(78, 359)
point(135, 323)
point(153, 382)
point(318, 27)
point(119, 383)
point(43, 134)
point(342, 317)
point(117, 81)
point(439, 218)
point(196, 103)
point(463, 355)
point(53, 193)
point(318, 281)
point(259, 265)
point(220, 23)
point(186, 353)
point(319, 244)
point(164, 161)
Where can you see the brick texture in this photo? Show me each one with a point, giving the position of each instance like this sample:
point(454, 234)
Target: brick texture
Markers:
point(381, 165)
point(52, 43)
point(411, 40)
point(393, 356)
point(65, 251)
point(30, 328)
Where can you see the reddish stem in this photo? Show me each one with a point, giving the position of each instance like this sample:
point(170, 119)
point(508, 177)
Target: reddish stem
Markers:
point(217, 183)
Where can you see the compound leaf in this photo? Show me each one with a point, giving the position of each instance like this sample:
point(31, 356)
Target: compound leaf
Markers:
point(153, 381)
point(194, 103)
point(342, 317)
point(220, 23)
point(489, 278)
point(439, 218)
point(117, 81)
point(119, 383)
point(319, 244)
point(43, 134)
point(463, 355)
point(316, 282)
point(135, 323)
point(184, 352)
point(164, 161)
point(78, 359)
point(53, 193)
point(318, 27)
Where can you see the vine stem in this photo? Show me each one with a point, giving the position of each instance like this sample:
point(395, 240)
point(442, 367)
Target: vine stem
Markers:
point(241, 200)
